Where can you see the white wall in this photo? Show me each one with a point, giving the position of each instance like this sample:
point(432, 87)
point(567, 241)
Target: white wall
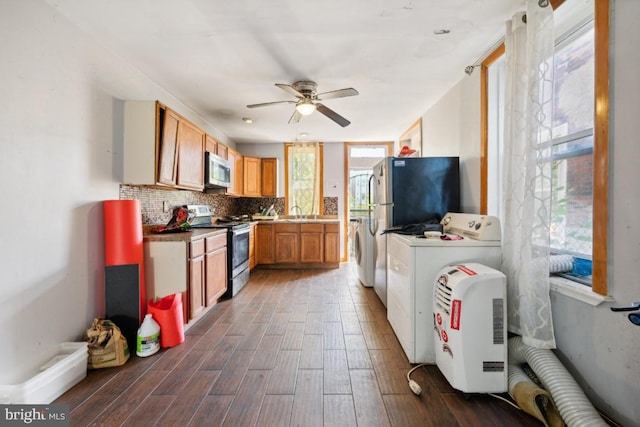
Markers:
point(599, 347)
point(60, 157)
point(451, 127)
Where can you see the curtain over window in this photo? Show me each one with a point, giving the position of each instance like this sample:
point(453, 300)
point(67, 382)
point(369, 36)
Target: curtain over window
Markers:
point(304, 167)
point(527, 173)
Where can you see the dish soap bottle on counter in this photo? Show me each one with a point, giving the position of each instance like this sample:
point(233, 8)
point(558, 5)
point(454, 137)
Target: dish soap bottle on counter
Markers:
point(148, 341)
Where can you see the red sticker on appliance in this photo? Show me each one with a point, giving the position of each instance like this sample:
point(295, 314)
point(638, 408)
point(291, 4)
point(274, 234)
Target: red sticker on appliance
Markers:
point(456, 308)
point(439, 319)
point(466, 270)
point(445, 337)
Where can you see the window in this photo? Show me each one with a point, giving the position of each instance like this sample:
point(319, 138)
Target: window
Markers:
point(303, 178)
point(580, 134)
point(572, 166)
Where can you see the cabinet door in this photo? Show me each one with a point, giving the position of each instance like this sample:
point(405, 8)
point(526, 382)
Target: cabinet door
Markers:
point(216, 275)
point(190, 156)
point(287, 242)
point(223, 151)
point(264, 244)
point(251, 176)
point(196, 286)
point(287, 251)
point(252, 247)
point(269, 177)
point(235, 159)
point(311, 243)
point(332, 243)
point(210, 144)
point(168, 147)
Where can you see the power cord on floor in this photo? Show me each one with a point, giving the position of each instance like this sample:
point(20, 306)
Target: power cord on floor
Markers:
point(414, 386)
point(505, 400)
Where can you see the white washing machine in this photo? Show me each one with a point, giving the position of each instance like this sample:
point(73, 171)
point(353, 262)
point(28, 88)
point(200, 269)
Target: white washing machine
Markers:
point(413, 262)
point(363, 243)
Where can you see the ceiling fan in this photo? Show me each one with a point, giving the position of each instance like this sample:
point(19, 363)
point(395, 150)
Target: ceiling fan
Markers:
point(306, 92)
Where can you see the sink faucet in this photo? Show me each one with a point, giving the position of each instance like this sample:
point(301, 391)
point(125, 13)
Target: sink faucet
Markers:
point(299, 210)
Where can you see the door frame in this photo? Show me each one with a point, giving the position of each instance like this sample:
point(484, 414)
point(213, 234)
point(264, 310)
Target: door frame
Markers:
point(345, 219)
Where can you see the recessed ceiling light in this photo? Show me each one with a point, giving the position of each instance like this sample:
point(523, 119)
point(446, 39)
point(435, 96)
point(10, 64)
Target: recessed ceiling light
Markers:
point(441, 32)
point(304, 134)
point(247, 119)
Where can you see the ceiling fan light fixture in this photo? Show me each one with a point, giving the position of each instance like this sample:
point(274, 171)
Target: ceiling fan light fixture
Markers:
point(305, 107)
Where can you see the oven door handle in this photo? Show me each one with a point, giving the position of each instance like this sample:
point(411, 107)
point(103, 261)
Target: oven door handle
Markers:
point(241, 231)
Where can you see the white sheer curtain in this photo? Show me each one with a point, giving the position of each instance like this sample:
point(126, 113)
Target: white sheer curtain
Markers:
point(304, 178)
point(527, 173)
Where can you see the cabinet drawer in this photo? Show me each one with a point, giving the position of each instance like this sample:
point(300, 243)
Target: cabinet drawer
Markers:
point(286, 228)
point(215, 242)
point(196, 248)
point(332, 228)
point(311, 228)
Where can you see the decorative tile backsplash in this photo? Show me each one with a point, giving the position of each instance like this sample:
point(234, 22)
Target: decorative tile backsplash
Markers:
point(155, 201)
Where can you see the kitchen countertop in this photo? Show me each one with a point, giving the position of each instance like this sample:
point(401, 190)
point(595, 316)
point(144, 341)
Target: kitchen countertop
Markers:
point(294, 220)
point(183, 236)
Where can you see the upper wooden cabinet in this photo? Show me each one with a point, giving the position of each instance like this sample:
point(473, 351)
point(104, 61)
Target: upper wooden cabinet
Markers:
point(251, 176)
point(190, 156)
point(269, 177)
point(161, 147)
point(235, 159)
point(168, 147)
point(223, 151)
point(210, 144)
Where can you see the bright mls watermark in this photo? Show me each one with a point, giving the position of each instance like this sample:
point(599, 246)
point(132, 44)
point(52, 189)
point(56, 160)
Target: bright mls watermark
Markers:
point(34, 415)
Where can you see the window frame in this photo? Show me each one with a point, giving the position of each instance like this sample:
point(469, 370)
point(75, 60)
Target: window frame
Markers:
point(599, 282)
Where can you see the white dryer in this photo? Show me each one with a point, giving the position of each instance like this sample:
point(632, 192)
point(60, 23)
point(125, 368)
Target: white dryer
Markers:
point(413, 262)
point(363, 243)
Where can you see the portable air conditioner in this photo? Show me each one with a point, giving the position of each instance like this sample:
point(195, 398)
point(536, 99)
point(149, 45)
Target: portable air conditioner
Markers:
point(469, 315)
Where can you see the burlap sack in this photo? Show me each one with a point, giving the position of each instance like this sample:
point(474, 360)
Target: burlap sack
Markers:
point(107, 346)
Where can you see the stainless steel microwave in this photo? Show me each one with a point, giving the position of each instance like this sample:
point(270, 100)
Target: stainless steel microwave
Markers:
point(217, 171)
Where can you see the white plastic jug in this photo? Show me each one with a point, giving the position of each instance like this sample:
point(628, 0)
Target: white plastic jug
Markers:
point(148, 342)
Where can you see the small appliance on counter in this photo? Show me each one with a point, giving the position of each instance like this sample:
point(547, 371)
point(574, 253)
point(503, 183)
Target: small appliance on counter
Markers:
point(202, 216)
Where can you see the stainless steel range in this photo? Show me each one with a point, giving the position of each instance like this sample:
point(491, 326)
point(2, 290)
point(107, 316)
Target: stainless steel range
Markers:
point(237, 245)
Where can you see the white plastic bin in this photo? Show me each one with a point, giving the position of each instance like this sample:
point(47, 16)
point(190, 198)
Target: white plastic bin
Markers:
point(67, 368)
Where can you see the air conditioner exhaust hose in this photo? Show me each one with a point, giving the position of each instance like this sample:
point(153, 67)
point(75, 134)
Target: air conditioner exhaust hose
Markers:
point(574, 406)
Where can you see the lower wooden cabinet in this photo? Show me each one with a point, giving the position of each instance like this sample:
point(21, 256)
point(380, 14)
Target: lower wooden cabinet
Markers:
point(195, 285)
point(252, 247)
point(285, 244)
point(264, 244)
point(311, 243)
point(332, 243)
point(195, 267)
point(215, 282)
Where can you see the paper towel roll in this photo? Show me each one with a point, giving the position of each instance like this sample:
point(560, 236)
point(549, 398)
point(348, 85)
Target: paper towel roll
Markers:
point(123, 239)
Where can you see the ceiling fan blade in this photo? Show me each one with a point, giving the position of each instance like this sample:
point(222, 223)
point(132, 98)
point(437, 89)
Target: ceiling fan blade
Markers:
point(295, 117)
point(332, 115)
point(290, 89)
point(341, 93)
point(264, 104)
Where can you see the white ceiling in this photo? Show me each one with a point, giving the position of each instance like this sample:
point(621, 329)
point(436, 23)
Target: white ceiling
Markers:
point(217, 56)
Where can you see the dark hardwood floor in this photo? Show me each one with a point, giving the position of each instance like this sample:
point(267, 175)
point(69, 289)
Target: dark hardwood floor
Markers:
point(293, 348)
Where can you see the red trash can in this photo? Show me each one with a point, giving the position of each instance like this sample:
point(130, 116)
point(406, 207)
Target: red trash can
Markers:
point(168, 313)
